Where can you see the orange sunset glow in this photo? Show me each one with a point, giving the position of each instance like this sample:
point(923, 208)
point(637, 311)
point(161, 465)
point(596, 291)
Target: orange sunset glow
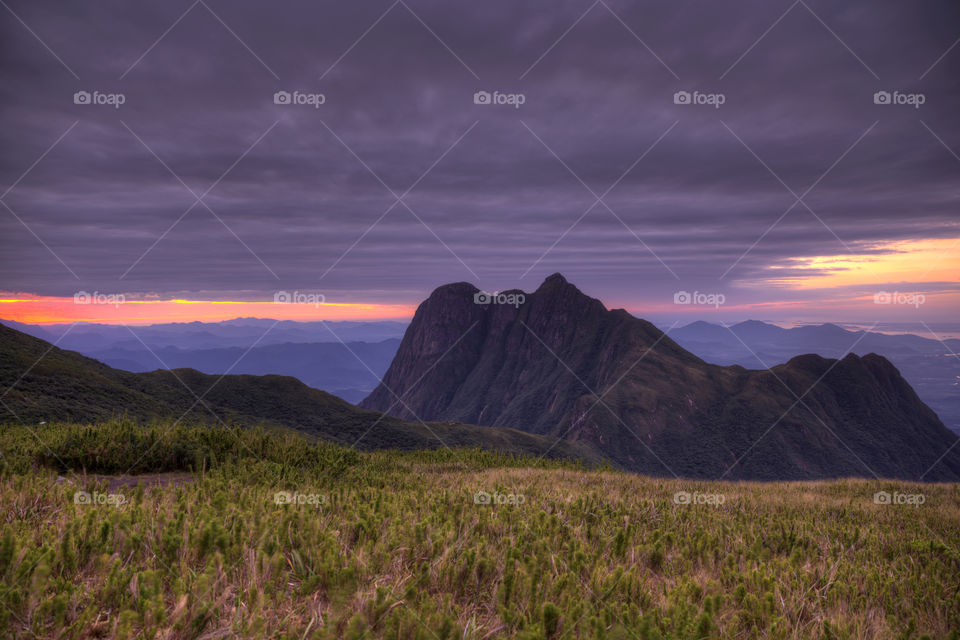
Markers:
point(48, 309)
point(918, 261)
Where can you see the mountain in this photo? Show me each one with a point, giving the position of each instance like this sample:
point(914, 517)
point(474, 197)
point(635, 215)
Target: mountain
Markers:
point(41, 382)
point(239, 332)
point(931, 366)
point(661, 410)
point(349, 371)
point(312, 352)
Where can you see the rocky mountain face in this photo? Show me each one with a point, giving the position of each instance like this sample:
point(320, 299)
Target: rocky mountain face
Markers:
point(560, 364)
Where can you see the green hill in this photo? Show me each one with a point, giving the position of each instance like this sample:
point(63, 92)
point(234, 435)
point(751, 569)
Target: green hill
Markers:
point(45, 384)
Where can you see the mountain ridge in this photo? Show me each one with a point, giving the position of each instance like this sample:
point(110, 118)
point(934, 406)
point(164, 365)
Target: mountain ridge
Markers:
point(43, 383)
point(561, 364)
point(929, 364)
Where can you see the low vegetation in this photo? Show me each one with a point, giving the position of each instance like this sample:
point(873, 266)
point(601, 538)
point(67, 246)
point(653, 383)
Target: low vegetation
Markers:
point(275, 536)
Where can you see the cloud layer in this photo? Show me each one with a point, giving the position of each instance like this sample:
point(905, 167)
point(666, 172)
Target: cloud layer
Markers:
point(399, 182)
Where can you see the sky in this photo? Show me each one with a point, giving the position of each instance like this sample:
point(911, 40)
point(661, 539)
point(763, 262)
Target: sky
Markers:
point(792, 161)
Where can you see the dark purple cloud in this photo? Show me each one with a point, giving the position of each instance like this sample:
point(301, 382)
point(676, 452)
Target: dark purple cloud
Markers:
point(398, 99)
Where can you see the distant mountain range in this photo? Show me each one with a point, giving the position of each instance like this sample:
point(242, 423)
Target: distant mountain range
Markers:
point(42, 383)
point(349, 371)
point(932, 367)
point(532, 367)
point(310, 351)
point(561, 364)
point(239, 332)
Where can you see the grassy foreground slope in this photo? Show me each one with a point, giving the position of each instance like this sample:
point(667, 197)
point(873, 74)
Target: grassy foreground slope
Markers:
point(440, 544)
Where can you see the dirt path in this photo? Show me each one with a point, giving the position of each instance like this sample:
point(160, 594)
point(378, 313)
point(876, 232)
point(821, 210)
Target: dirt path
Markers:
point(114, 482)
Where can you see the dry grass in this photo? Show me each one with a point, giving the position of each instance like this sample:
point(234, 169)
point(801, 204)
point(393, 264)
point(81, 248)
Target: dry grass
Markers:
point(400, 549)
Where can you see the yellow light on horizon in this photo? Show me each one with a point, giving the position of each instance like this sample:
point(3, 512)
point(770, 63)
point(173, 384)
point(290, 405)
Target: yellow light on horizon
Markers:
point(930, 260)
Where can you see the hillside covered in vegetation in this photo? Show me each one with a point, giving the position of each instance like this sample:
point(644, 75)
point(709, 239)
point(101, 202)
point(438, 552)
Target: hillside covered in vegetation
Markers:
point(257, 534)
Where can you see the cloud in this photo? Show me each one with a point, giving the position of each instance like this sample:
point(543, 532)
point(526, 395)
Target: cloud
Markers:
point(309, 204)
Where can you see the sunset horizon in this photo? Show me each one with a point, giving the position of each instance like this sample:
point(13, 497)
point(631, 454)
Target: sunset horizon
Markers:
point(429, 320)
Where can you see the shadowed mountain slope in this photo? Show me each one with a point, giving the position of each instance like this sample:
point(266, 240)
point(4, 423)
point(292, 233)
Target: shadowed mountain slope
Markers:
point(561, 364)
point(929, 364)
point(41, 382)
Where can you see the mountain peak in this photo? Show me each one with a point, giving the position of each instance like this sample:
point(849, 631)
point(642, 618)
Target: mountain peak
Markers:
point(453, 289)
point(701, 324)
point(556, 291)
point(539, 364)
point(556, 282)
